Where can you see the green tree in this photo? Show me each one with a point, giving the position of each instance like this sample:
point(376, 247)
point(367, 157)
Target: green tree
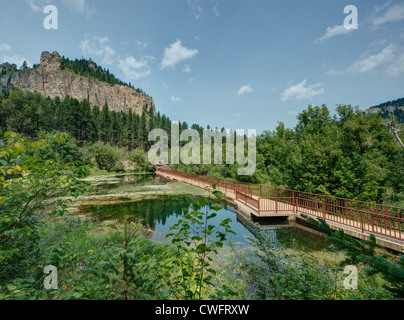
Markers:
point(28, 183)
point(140, 162)
point(64, 151)
point(195, 241)
point(17, 110)
point(105, 155)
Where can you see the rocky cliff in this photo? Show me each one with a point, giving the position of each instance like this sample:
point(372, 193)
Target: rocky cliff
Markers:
point(51, 81)
point(395, 107)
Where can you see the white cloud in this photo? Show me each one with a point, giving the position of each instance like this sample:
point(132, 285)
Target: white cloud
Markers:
point(196, 8)
point(4, 47)
point(175, 99)
point(187, 68)
point(394, 13)
point(332, 32)
point(140, 44)
point(135, 68)
point(369, 63)
point(15, 59)
point(34, 5)
point(245, 90)
point(302, 92)
point(176, 53)
point(373, 61)
point(75, 5)
point(97, 46)
point(216, 10)
point(396, 69)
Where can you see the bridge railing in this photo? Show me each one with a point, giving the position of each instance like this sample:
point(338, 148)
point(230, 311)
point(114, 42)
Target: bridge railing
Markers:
point(248, 200)
point(366, 216)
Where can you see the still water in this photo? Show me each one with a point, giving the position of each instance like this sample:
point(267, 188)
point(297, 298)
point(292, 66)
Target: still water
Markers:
point(163, 212)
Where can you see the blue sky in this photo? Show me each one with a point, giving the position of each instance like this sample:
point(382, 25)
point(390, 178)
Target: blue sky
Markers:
point(227, 63)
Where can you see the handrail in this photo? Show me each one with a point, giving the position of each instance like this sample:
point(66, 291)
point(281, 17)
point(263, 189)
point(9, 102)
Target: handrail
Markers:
point(376, 218)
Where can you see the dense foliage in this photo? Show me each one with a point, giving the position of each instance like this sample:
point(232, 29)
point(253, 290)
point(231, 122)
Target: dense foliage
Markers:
point(364, 252)
point(122, 264)
point(29, 113)
point(349, 155)
point(30, 187)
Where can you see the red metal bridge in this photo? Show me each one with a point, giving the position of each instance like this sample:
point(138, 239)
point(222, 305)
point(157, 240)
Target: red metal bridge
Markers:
point(355, 217)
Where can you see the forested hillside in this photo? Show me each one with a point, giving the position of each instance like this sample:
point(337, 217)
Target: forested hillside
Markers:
point(28, 113)
point(79, 79)
point(395, 108)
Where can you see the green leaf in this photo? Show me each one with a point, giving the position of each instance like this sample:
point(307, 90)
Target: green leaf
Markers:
point(211, 271)
point(217, 207)
point(218, 194)
point(11, 287)
point(213, 215)
point(202, 202)
point(201, 248)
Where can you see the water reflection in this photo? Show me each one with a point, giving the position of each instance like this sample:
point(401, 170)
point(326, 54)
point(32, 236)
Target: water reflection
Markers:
point(161, 213)
point(119, 181)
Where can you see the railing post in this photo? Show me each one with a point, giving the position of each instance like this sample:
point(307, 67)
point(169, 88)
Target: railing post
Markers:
point(316, 204)
point(294, 202)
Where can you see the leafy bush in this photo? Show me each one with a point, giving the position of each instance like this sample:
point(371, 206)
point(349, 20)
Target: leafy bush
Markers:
point(140, 161)
point(105, 155)
point(195, 240)
point(390, 268)
point(64, 151)
point(28, 183)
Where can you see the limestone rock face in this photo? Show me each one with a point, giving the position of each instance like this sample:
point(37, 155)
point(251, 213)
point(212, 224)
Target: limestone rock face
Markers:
point(50, 81)
point(389, 109)
point(6, 67)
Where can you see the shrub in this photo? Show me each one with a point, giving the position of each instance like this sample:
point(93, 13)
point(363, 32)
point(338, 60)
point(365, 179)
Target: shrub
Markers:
point(105, 156)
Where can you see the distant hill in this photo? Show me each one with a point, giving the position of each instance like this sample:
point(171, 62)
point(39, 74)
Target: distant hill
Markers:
point(395, 107)
point(79, 79)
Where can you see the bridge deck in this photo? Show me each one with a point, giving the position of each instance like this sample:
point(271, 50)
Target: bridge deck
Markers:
point(388, 238)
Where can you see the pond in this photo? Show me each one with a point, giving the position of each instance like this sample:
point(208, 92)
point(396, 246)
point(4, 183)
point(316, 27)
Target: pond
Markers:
point(159, 204)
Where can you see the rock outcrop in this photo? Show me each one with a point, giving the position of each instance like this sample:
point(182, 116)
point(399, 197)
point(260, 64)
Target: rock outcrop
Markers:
point(389, 109)
point(51, 81)
point(7, 67)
